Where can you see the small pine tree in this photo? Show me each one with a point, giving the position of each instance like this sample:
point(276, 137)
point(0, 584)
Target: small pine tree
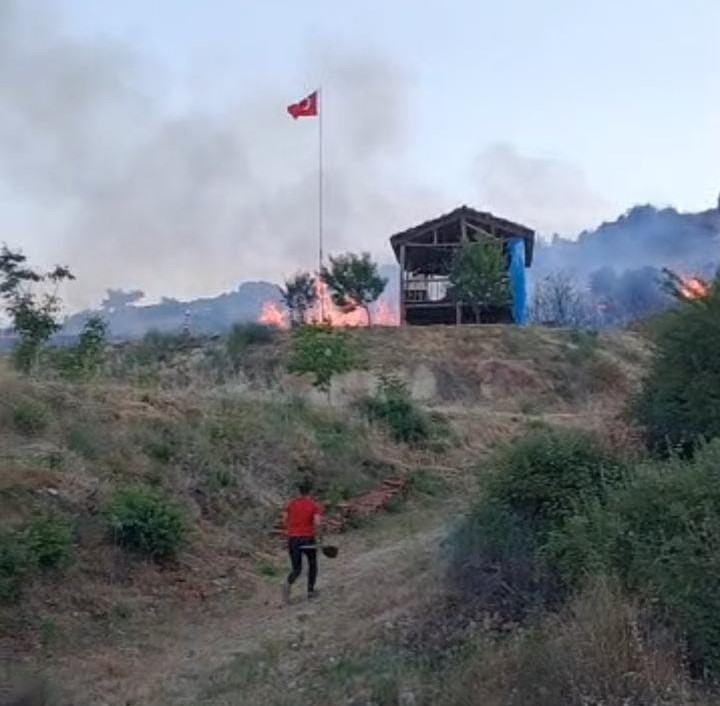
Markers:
point(479, 276)
point(354, 282)
point(300, 296)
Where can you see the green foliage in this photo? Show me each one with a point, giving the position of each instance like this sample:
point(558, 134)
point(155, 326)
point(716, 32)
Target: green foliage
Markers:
point(536, 485)
point(679, 404)
point(33, 314)
point(479, 276)
point(244, 336)
point(660, 534)
point(143, 519)
point(393, 407)
point(322, 352)
point(49, 542)
point(90, 349)
point(29, 416)
point(13, 566)
point(354, 282)
point(45, 544)
point(86, 358)
point(161, 441)
point(300, 296)
point(544, 476)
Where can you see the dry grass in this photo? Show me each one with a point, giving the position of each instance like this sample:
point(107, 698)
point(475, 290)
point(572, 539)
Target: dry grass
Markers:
point(227, 444)
point(594, 653)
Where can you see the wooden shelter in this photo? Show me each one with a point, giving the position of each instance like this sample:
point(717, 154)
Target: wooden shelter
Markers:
point(426, 251)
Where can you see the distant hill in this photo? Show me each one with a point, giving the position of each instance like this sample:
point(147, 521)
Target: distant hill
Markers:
point(643, 237)
point(127, 319)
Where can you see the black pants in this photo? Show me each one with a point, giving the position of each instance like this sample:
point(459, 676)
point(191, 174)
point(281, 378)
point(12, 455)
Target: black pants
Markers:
point(297, 546)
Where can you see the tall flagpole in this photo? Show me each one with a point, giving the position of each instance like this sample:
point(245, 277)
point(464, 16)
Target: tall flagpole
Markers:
point(321, 253)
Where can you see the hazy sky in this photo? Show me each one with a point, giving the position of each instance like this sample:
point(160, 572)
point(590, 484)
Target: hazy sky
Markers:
point(147, 144)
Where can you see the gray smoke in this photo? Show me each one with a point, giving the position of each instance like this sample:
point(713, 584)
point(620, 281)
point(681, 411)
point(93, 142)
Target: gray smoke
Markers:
point(104, 178)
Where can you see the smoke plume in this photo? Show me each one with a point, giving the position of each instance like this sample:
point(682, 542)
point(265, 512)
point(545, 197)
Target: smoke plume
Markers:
point(104, 177)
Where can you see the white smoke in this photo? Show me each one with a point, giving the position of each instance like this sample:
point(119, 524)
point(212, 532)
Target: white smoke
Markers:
point(102, 177)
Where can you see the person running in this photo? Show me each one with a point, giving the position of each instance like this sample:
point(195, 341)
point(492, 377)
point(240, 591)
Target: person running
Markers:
point(302, 521)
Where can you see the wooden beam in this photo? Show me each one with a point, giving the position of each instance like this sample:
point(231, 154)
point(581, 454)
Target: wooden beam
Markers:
point(432, 245)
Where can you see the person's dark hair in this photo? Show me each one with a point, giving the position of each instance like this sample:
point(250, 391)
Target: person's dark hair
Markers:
point(304, 486)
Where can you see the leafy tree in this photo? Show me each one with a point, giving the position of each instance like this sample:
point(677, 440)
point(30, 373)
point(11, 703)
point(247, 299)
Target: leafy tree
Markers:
point(323, 352)
point(34, 314)
point(679, 404)
point(354, 282)
point(479, 276)
point(299, 295)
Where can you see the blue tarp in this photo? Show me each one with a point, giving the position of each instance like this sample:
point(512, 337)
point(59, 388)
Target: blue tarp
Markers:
point(518, 282)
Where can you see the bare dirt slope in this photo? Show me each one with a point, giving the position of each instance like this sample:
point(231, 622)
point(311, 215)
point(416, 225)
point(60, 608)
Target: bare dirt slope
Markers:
point(112, 629)
point(261, 651)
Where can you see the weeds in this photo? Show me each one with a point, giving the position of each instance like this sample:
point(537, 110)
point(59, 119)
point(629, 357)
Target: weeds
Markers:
point(143, 519)
point(427, 483)
point(244, 336)
point(29, 417)
point(45, 544)
point(49, 542)
point(393, 407)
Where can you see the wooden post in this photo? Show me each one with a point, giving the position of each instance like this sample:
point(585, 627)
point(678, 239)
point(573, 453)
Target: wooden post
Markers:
point(403, 300)
point(463, 231)
point(458, 313)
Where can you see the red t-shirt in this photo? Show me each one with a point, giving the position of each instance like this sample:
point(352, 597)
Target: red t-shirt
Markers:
point(301, 514)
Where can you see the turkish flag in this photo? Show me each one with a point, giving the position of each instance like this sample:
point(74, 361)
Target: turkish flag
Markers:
point(306, 108)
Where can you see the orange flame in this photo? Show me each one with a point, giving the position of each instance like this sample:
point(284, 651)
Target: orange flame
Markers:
point(385, 316)
point(693, 288)
point(382, 314)
point(273, 315)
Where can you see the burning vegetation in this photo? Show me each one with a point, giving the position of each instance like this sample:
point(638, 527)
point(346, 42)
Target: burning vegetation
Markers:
point(348, 294)
point(687, 288)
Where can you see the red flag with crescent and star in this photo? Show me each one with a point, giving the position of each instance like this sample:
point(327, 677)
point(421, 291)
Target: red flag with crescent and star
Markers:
point(306, 108)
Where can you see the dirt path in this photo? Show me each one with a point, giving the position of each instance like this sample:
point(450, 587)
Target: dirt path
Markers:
point(245, 656)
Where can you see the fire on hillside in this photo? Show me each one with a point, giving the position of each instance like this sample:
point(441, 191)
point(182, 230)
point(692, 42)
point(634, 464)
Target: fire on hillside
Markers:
point(688, 288)
point(382, 313)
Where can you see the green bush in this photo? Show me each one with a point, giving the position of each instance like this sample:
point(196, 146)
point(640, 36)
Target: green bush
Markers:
point(29, 417)
point(49, 542)
point(161, 441)
point(536, 483)
point(679, 405)
point(323, 352)
point(243, 336)
point(393, 407)
point(544, 476)
point(660, 533)
point(45, 544)
point(13, 566)
point(143, 519)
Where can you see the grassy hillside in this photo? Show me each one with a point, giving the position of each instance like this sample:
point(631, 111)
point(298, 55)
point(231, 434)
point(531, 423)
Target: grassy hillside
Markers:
point(219, 431)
